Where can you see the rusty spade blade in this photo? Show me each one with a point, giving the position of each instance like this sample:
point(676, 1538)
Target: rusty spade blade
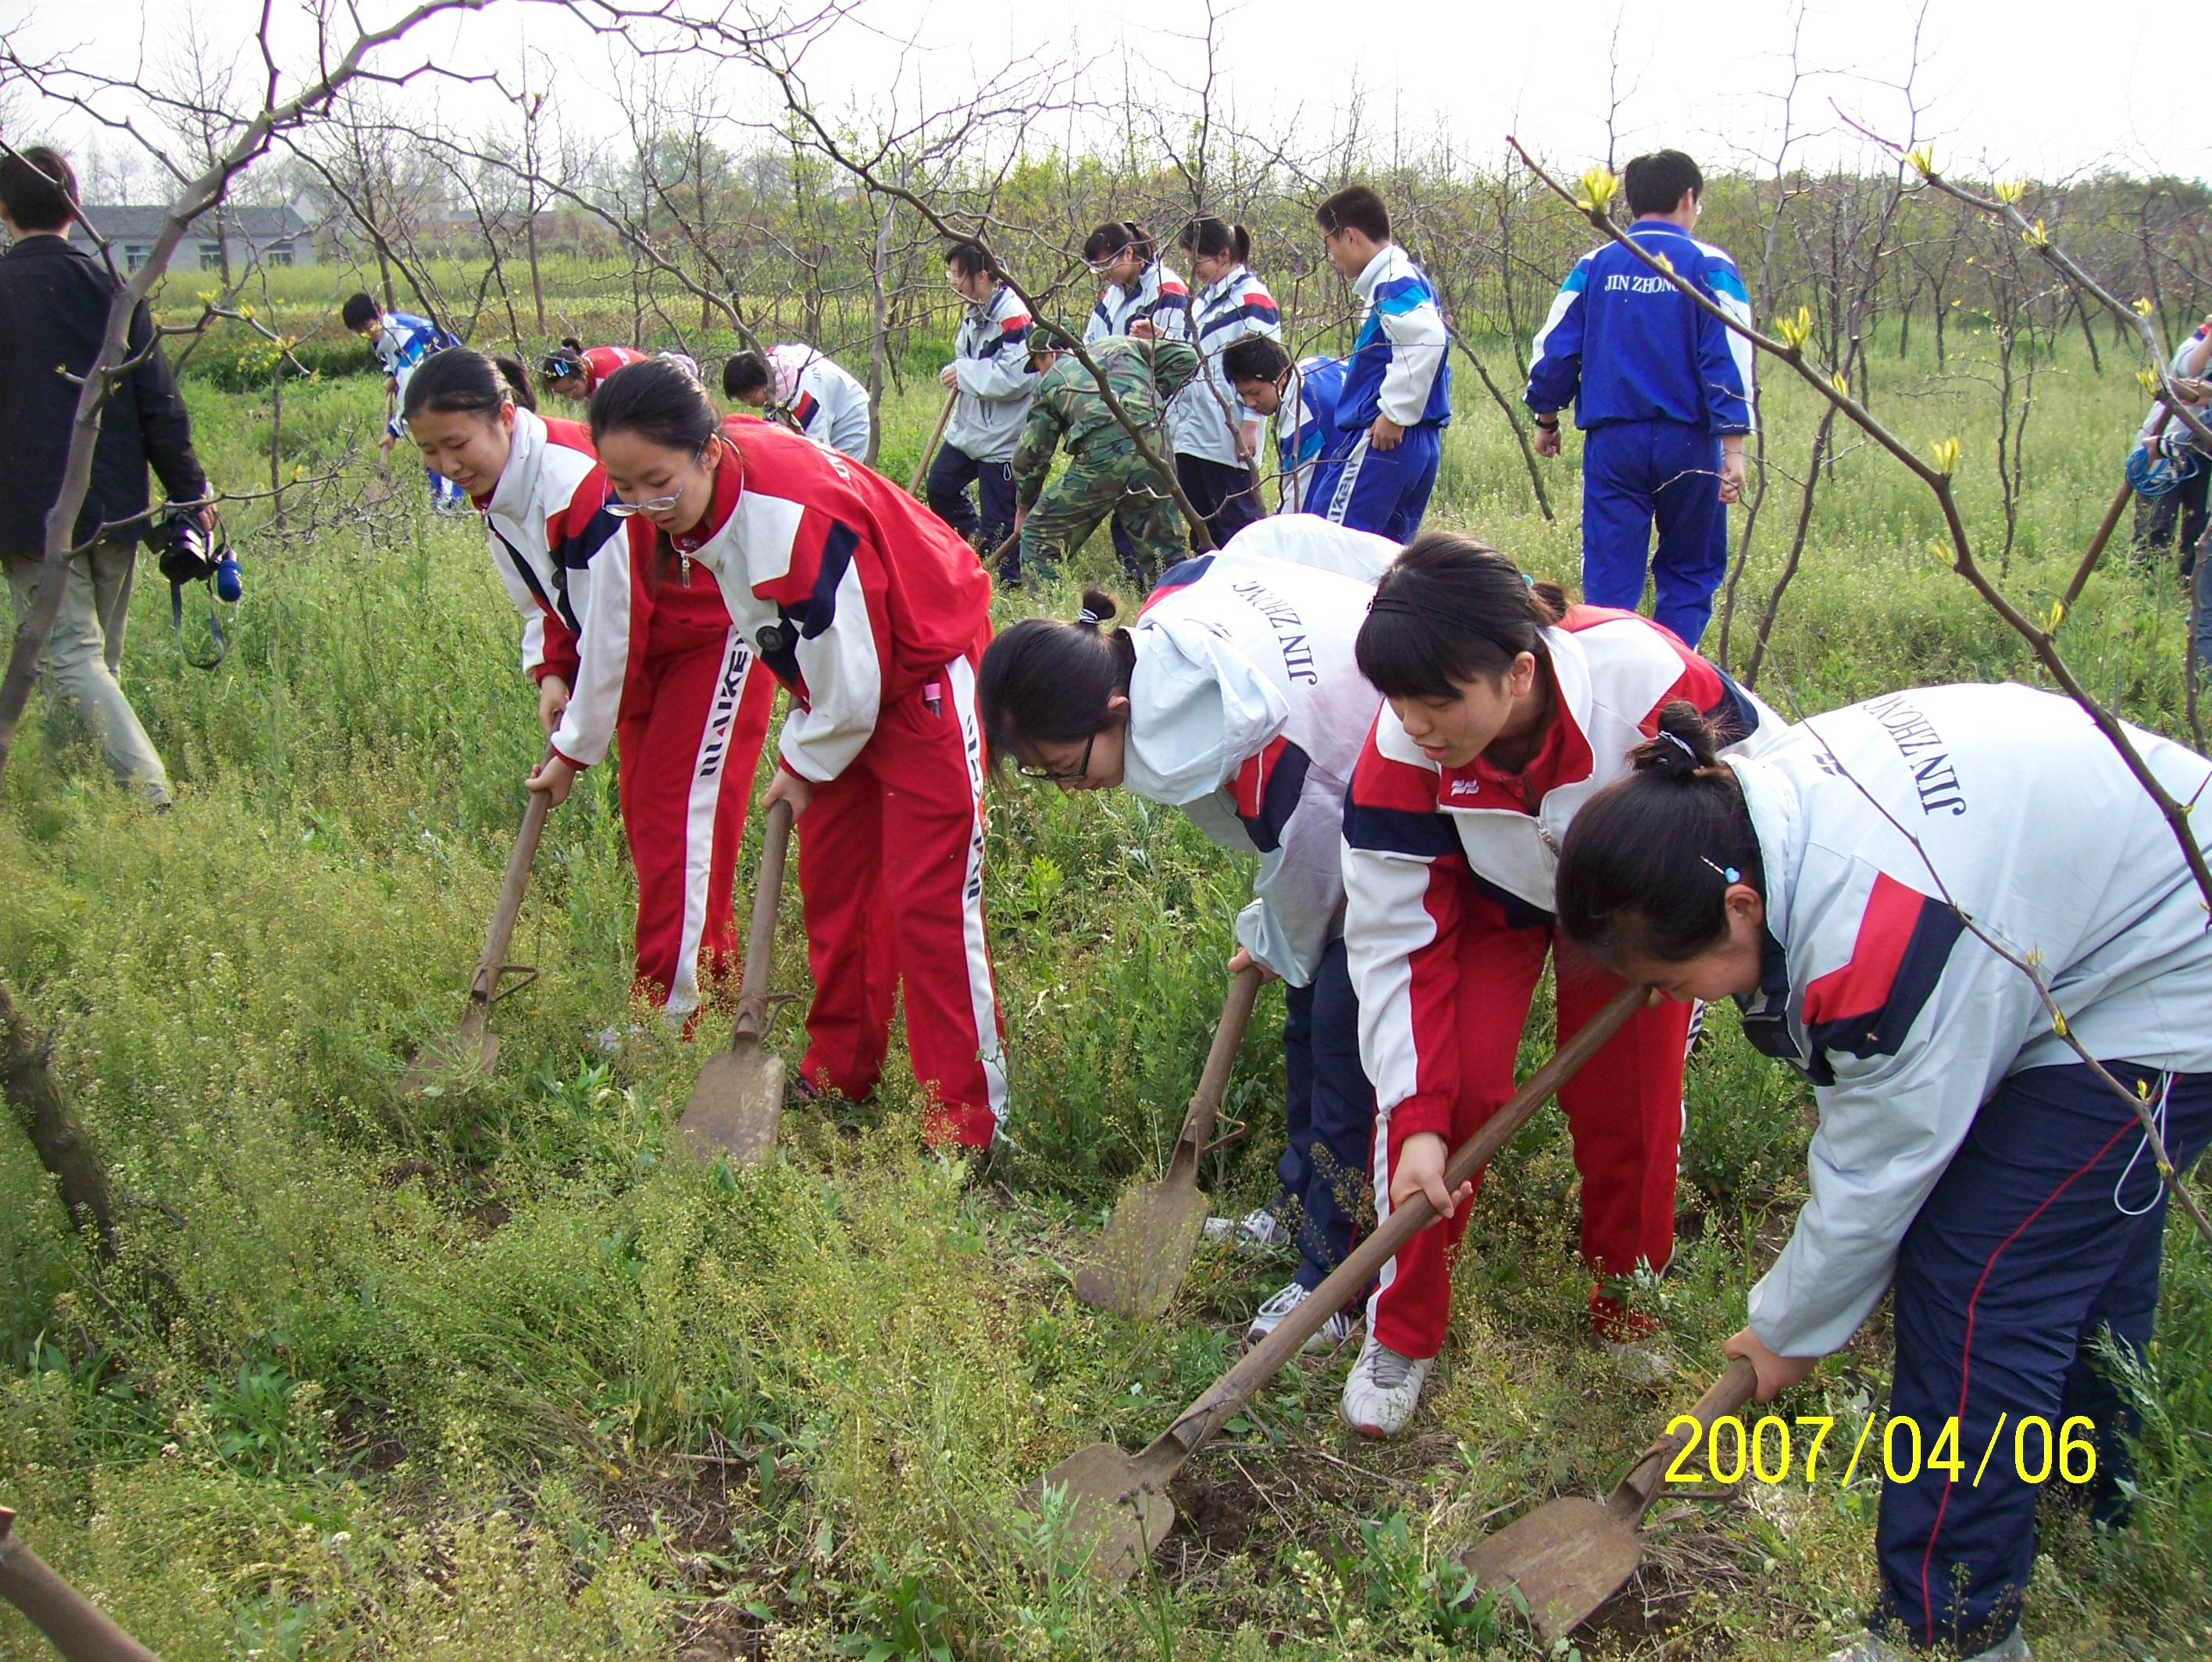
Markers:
point(735, 1105)
point(1570, 1556)
point(1144, 1253)
point(472, 1048)
point(1116, 1503)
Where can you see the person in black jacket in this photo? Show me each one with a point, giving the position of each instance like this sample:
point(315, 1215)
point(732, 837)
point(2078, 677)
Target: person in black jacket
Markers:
point(54, 302)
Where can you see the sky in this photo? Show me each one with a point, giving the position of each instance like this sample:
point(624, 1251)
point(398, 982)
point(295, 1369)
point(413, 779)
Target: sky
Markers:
point(2005, 87)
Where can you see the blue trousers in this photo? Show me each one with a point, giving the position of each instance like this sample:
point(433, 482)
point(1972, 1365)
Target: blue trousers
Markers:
point(952, 470)
point(444, 493)
point(1330, 1114)
point(1384, 491)
point(2045, 1230)
point(1635, 473)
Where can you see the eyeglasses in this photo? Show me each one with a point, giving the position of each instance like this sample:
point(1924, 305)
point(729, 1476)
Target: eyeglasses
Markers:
point(1052, 776)
point(622, 510)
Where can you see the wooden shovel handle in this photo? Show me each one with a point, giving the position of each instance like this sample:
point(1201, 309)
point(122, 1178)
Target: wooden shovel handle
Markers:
point(1202, 1419)
point(1205, 1101)
point(922, 468)
point(1634, 1494)
point(481, 989)
point(79, 1629)
point(760, 945)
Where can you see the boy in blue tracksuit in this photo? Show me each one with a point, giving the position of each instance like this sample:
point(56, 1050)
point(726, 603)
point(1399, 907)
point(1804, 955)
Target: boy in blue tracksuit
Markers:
point(1301, 399)
point(1396, 398)
point(1662, 390)
point(401, 342)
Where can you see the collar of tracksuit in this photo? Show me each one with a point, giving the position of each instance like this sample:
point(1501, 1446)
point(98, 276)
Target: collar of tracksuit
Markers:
point(1372, 272)
point(729, 484)
point(517, 480)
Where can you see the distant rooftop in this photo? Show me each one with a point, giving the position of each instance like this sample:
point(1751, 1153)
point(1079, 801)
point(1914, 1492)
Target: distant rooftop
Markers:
point(137, 224)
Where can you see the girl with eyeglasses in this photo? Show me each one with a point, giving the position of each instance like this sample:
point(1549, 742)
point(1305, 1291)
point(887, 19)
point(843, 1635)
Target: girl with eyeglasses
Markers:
point(1234, 697)
point(776, 554)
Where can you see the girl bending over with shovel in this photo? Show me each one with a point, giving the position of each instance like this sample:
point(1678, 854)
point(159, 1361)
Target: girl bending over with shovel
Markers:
point(1881, 891)
point(872, 613)
point(1505, 709)
point(1234, 698)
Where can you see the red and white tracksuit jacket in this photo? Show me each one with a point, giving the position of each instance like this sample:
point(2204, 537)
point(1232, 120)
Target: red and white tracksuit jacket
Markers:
point(1247, 711)
point(601, 361)
point(1448, 880)
point(544, 521)
point(873, 615)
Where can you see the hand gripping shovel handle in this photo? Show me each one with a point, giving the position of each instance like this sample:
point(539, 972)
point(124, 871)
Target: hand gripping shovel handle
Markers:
point(1206, 1100)
point(922, 468)
point(1202, 1419)
point(482, 990)
point(80, 1630)
point(760, 945)
point(1633, 1494)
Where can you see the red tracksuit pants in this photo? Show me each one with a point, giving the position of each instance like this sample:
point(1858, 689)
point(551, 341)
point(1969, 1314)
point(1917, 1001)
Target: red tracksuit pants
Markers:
point(891, 870)
point(1624, 1110)
point(693, 711)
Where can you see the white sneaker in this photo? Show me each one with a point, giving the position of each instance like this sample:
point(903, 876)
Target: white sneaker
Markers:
point(1872, 1647)
point(1270, 1315)
point(1638, 1363)
point(1256, 1230)
point(1381, 1390)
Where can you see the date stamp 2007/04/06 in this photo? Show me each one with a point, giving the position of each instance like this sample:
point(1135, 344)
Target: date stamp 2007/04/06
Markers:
point(1764, 1450)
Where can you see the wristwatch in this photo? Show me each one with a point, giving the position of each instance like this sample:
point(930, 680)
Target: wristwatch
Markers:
point(1549, 423)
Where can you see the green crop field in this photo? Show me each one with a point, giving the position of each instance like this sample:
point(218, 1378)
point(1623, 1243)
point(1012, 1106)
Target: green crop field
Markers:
point(500, 1373)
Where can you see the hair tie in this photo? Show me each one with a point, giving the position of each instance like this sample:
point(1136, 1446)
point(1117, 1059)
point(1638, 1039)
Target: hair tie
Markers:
point(1683, 745)
point(1086, 616)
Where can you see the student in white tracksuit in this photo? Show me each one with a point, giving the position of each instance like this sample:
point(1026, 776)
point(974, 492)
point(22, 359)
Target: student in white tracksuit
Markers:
point(808, 391)
point(994, 385)
point(1861, 887)
point(1216, 438)
point(1234, 698)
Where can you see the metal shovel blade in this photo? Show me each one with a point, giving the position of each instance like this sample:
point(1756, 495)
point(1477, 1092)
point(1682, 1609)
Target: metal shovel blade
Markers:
point(1145, 1251)
point(736, 1103)
point(1567, 1558)
point(453, 1059)
point(1116, 1514)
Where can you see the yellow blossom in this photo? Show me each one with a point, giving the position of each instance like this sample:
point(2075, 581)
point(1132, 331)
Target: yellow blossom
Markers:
point(1945, 452)
point(1599, 188)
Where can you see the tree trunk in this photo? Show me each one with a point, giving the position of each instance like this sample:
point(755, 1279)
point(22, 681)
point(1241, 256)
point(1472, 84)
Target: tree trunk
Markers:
point(28, 1085)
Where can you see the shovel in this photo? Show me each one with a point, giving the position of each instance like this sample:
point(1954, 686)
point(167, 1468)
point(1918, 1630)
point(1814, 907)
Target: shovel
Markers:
point(1570, 1556)
point(80, 1630)
point(472, 1047)
point(1116, 1503)
point(737, 1102)
point(922, 468)
point(1145, 1251)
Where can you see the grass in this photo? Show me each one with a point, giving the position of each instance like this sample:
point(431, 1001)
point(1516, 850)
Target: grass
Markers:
point(498, 1374)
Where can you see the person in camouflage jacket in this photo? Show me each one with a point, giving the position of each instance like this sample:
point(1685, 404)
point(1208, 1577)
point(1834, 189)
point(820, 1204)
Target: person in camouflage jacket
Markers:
point(1106, 476)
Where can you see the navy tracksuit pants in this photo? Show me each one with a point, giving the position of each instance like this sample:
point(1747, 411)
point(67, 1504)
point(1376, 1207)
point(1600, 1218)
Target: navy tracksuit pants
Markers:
point(1384, 491)
point(1330, 1115)
point(952, 470)
point(1634, 474)
point(2043, 1230)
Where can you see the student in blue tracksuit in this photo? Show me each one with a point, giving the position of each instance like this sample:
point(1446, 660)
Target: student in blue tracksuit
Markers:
point(1270, 384)
point(401, 342)
point(1396, 398)
point(1662, 390)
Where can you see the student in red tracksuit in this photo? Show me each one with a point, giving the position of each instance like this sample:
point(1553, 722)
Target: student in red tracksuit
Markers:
point(660, 667)
point(1504, 709)
point(872, 614)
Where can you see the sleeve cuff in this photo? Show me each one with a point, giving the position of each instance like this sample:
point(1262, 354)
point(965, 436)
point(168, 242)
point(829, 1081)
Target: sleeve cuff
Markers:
point(1425, 1111)
point(560, 754)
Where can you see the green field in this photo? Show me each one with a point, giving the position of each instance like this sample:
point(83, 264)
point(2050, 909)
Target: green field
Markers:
point(498, 1374)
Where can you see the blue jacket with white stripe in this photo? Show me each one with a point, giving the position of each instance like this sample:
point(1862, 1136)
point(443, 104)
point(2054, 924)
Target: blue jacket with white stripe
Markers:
point(1623, 343)
point(1398, 366)
point(1305, 432)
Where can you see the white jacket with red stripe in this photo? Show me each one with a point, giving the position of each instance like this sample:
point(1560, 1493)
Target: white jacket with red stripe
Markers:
point(1247, 711)
point(1421, 841)
point(546, 525)
point(1873, 822)
point(830, 407)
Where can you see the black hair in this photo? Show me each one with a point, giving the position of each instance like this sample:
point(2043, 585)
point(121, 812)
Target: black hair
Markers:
point(1647, 861)
point(1107, 241)
point(458, 381)
point(659, 403)
point(573, 344)
point(746, 372)
point(1255, 358)
point(360, 307)
point(1044, 682)
point(1216, 238)
point(1450, 608)
point(38, 188)
point(968, 258)
point(1655, 183)
point(517, 378)
point(1355, 208)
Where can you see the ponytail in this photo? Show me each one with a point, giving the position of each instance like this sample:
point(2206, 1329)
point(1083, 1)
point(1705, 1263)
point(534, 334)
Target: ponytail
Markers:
point(1044, 682)
point(1107, 241)
point(1213, 239)
point(1450, 608)
point(517, 378)
point(1647, 863)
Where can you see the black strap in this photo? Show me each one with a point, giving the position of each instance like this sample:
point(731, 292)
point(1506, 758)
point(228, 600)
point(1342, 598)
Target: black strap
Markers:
point(215, 625)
